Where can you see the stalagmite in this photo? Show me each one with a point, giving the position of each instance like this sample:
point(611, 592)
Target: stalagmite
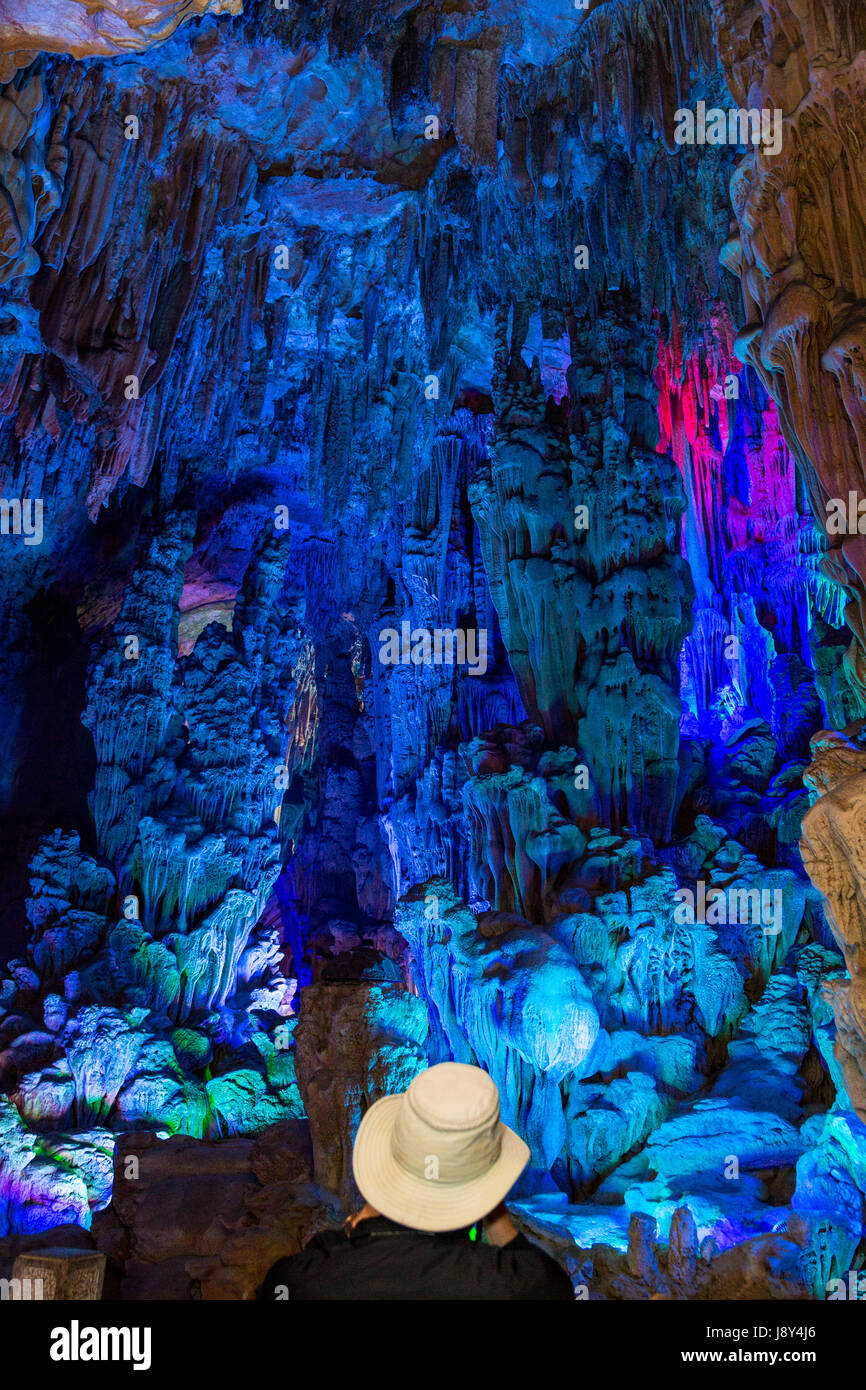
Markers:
point(433, 616)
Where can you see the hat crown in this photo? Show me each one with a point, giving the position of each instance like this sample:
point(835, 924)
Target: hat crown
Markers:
point(448, 1128)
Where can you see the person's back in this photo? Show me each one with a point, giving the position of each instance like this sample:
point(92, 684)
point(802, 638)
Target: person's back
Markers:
point(380, 1259)
point(439, 1160)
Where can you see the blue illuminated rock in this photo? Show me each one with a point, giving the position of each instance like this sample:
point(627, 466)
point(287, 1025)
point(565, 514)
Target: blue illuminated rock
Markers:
point(320, 327)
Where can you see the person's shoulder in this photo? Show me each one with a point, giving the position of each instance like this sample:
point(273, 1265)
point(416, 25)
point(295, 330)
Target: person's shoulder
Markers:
point(533, 1273)
point(286, 1271)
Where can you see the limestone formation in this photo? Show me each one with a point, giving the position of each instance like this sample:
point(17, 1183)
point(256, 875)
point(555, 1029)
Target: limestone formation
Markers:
point(833, 854)
point(429, 548)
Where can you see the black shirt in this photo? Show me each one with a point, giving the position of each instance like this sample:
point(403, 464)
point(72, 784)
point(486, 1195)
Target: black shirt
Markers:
point(381, 1260)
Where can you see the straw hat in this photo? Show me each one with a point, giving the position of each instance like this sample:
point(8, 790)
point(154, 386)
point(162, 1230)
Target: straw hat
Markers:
point(437, 1157)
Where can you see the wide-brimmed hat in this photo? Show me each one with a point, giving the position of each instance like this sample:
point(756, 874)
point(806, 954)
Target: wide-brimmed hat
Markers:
point(437, 1157)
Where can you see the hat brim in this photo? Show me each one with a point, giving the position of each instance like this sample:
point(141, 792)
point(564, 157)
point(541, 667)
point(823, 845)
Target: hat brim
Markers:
point(418, 1202)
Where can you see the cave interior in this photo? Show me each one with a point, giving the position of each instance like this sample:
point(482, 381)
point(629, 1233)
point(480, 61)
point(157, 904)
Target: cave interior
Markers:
point(433, 573)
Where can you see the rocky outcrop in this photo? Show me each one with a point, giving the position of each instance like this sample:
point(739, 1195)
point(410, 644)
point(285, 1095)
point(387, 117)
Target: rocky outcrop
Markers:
point(193, 1220)
point(427, 624)
point(354, 1044)
point(148, 963)
point(765, 1267)
point(588, 524)
point(834, 853)
point(116, 27)
point(509, 1000)
point(797, 254)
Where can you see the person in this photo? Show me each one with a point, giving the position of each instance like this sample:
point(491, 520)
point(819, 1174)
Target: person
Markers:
point(434, 1164)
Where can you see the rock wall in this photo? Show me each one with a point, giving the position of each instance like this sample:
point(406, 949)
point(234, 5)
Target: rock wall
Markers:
point(418, 605)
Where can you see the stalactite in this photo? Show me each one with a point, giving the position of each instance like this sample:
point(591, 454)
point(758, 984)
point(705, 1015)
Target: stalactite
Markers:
point(432, 614)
